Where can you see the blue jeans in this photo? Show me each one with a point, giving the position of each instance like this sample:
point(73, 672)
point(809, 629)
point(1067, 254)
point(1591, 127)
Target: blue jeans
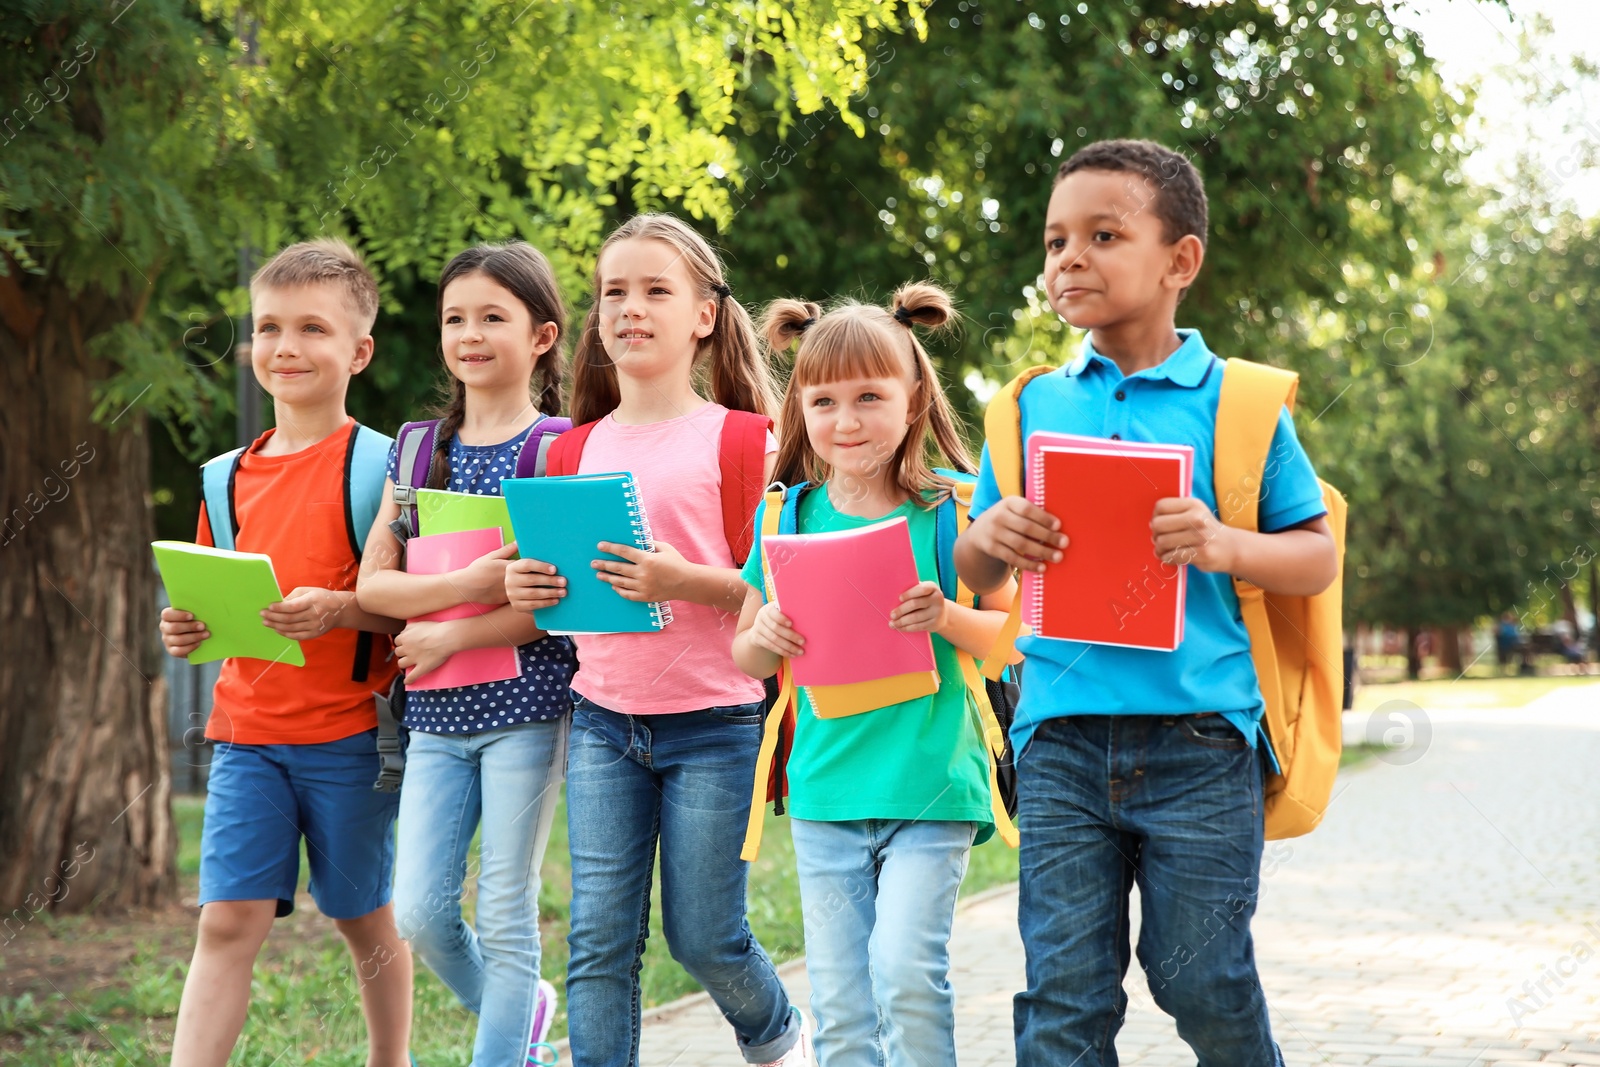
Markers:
point(1174, 804)
point(684, 780)
point(879, 899)
point(508, 780)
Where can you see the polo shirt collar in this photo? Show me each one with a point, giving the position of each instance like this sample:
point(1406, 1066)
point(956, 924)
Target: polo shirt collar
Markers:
point(1188, 366)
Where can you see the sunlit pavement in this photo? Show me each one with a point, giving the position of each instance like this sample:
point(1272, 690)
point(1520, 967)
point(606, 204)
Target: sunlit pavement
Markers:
point(1446, 914)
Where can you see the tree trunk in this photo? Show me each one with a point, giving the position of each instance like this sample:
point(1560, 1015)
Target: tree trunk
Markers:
point(1450, 649)
point(1413, 653)
point(85, 780)
point(1594, 604)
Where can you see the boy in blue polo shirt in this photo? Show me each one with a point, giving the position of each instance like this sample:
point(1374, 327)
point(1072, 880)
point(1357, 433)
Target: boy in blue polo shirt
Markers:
point(1140, 766)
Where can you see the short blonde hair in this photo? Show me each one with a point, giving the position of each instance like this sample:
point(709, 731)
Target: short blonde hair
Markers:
point(324, 260)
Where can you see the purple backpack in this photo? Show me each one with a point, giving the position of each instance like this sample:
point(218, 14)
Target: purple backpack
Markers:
point(417, 441)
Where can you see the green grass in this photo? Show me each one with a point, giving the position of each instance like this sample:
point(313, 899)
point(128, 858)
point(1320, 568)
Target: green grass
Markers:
point(1499, 691)
point(304, 1006)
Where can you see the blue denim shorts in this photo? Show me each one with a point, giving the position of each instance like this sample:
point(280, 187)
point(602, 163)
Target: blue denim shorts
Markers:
point(262, 800)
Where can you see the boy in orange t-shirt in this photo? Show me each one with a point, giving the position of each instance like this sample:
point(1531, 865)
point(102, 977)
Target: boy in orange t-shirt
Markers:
point(295, 746)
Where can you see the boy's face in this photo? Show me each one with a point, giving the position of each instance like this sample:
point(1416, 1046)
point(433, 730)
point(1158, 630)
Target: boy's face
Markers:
point(306, 343)
point(1106, 259)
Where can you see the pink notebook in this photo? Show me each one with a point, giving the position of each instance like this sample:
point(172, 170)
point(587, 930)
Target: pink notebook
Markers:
point(438, 554)
point(1110, 587)
point(838, 589)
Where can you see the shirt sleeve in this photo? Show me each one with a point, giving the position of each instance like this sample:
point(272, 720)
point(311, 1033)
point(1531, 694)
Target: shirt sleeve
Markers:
point(751, 573)
point(986, 494)
point(393, 464)
point(1290, 493)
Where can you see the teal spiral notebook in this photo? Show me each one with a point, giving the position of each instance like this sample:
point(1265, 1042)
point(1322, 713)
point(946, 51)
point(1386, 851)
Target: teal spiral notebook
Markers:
point(560, 520)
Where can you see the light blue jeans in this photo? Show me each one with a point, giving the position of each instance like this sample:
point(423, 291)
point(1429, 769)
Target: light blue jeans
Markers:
point(880, 897)
point(507, 779)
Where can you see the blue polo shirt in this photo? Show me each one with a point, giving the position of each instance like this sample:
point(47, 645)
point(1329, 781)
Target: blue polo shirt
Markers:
point(1211, 670)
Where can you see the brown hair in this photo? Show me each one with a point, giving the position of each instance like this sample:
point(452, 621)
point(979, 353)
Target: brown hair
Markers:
point(740, 377)
point(525, 272)
point(324, 260)
point(856, 340)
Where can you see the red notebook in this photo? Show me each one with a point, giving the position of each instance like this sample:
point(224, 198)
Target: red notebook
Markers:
point(1109, 588)
point(439, 554)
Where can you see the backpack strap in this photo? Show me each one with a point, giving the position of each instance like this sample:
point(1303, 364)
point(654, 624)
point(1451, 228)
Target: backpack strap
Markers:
point(566, 450)
point(542, 435)
point(777, 504)
point(954, 516)
point(217, 476)
point(742, 457)
point(1002, 430)
point(1247, 418)
point(391, 754)
point(417, 442)
point(366, 463)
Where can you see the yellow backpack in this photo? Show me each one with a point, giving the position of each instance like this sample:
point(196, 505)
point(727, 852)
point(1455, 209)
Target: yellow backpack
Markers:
point(1297, 643)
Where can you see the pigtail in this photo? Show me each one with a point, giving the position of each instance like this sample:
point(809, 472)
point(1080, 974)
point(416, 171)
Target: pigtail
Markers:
point(782, 324)
point(921, 304)
point(784, 321)
point(450, 414)
point(549, 376)
point(741, 376)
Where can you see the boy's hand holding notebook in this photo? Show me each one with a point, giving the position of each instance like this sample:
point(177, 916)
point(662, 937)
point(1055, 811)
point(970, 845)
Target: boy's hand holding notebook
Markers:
point(838, 591)
point(227, 591)
point(1110, 587)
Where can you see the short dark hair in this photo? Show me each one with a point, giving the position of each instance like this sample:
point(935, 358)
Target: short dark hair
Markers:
point(1180, 200)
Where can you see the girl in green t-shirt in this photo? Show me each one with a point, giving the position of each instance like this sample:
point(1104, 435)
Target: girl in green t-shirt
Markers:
point(886, 805)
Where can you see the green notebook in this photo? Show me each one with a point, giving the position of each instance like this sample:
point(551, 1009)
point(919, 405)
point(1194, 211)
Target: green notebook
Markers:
point(226, 591)
point(440, 511)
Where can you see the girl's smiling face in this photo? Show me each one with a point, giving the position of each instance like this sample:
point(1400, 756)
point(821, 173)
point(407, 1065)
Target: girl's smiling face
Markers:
point(856, 425)
point(489, 337)
point(652, 315)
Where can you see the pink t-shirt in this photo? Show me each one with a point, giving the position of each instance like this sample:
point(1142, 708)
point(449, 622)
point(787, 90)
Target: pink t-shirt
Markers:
point(688, 665)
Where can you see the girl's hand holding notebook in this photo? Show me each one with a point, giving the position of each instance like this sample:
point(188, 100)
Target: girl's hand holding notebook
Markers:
point(640, 575)
point(532, 584)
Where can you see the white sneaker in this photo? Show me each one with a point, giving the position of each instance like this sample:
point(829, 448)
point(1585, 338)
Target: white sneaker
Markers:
point(801, 1054)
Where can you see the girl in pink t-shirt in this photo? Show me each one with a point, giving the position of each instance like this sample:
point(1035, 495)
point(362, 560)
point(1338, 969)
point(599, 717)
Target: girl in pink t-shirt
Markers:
point(666, 728)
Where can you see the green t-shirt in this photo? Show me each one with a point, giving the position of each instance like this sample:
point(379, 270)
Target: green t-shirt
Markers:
point(922, 759)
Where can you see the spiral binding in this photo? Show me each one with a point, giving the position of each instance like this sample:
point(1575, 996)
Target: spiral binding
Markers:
point(644, 541)
point(1033, 581)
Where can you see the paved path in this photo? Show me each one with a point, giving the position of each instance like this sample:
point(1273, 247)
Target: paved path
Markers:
point(1447, 914)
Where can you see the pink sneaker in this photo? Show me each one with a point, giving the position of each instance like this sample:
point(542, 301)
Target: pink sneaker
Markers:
point(541, 1054)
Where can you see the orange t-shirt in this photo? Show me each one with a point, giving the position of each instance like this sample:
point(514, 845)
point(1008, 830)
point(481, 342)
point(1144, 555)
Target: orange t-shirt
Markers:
point(292, 508)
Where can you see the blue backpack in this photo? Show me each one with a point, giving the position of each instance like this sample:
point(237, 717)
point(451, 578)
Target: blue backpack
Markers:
point(366, 463)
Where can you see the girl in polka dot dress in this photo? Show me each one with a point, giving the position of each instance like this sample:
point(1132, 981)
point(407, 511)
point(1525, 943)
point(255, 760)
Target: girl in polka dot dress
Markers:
point(491, 756)
point(665, 728)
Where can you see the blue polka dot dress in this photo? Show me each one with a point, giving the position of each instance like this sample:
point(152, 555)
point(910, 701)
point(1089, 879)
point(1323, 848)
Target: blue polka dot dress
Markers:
point(541, 693)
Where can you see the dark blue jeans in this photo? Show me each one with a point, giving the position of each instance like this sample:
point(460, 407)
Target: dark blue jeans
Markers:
point(1174, 805)
point(683, 781)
